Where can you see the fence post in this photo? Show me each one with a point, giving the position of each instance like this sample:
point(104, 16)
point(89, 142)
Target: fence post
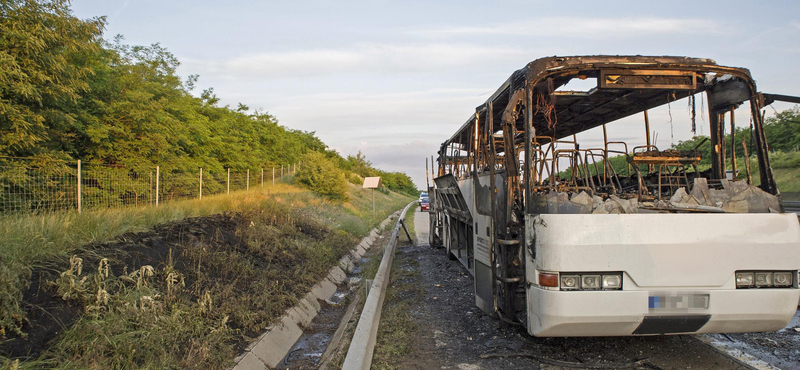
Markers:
point(248, 180)
point(158, 180)
point(273, 175)
point(262, 177)
point(79, 186)
point(200, 194)
point(229, 181)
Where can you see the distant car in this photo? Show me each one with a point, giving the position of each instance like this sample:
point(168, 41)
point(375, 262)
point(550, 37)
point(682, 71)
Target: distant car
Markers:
point(423, 195)
point(425, 205)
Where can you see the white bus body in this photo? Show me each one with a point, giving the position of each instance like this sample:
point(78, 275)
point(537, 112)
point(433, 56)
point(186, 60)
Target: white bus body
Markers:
point(666, 247)
point(661, 255)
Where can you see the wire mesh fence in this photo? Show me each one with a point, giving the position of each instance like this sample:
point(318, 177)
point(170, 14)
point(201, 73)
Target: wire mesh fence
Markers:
point(108, 187)
point(33, 186)
point(40, 186)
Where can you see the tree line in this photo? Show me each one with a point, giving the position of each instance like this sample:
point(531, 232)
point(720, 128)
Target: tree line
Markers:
point(67, 93)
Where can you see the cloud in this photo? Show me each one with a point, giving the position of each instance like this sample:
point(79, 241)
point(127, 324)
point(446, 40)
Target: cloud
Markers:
point(582, 27)
point(434, 113)
point(395, 130)
point(360, 58)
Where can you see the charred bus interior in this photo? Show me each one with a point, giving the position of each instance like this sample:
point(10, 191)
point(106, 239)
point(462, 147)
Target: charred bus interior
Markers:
point(519, 155)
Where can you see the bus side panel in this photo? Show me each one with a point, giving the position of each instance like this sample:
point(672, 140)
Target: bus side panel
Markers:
point(468, 192)
point(482, 239)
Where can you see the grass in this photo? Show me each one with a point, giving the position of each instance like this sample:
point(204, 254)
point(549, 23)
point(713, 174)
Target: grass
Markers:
point(191, 309)
point(31, 239)
point(785, 168)
point(371, 266)
point(397, 326)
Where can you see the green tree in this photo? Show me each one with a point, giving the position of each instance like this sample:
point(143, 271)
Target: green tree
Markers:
point(46, 57)
point(321, 176)
point(783, 130)
point(360, 165)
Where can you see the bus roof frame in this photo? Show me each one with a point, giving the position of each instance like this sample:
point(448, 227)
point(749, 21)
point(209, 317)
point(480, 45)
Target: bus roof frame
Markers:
point(546, 75)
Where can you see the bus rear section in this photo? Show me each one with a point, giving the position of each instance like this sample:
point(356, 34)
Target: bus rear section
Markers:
point(575, 220)
point(640, 274)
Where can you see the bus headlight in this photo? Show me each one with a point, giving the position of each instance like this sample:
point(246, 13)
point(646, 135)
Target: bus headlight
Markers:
point(764, 279)
point(612, 281)
point(590, 281)
point(570, 282)
point(744, 279)
point(783, 279)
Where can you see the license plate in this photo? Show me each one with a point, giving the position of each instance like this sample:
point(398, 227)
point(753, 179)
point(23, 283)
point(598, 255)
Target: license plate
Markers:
point(678, 302)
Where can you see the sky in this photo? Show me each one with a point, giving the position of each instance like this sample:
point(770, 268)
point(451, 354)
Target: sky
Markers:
point(394, 79)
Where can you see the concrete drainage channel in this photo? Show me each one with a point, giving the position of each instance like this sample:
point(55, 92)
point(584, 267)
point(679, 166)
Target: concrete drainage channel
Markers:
point(276, 347)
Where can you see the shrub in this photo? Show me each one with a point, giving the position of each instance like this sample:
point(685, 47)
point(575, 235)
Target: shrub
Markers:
point(355, 179)
point(785, 159)
point(320, 175)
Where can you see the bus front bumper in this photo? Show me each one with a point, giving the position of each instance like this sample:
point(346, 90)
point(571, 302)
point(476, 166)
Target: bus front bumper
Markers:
point(618, 313)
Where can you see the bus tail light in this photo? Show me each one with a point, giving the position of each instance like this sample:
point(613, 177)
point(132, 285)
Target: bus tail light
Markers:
point(764, 279)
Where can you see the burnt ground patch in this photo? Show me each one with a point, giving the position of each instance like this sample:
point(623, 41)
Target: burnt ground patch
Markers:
point(229, 274)
point(48, 314)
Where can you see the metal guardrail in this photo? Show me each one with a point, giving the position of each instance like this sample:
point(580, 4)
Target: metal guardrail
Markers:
point(791, 205)
point(359, 354)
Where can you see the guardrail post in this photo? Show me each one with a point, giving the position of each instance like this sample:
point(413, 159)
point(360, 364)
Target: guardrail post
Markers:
point(79, 186)
point(247, 187)
point(229, 181)
point(200, 194)
point(158, 179)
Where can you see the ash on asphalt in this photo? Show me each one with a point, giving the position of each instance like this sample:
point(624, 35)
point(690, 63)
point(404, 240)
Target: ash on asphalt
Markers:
point(780, 349)
point(454, 334)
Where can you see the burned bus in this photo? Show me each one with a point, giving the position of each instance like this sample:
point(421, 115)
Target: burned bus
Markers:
point(560, 240)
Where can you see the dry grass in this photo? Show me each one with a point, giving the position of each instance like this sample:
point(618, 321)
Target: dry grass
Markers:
point(397, 327)
point(192, 309)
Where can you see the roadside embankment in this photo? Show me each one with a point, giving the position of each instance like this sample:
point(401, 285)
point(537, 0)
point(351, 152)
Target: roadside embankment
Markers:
point(188, 293)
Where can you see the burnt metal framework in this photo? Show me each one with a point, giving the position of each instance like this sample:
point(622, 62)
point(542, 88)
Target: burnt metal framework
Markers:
point(515, 132)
